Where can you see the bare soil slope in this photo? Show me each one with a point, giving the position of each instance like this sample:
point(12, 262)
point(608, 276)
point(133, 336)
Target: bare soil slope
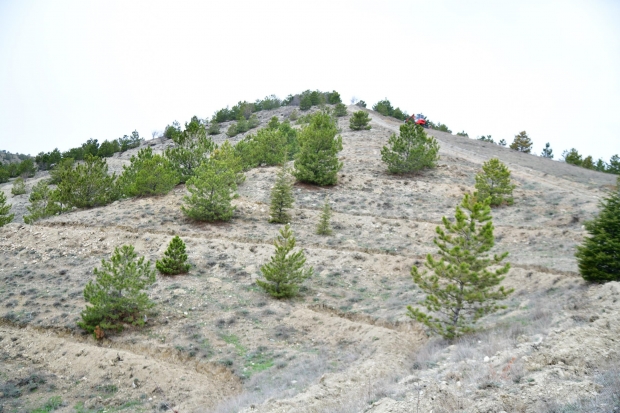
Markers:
point(218, 343)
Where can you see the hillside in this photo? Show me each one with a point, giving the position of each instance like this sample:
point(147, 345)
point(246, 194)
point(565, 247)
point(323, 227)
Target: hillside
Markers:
point(218, 343)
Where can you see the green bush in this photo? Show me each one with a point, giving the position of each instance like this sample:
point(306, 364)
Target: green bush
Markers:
point(232, 130)
point(597, 257)
point(253, 122)
point(174, 260)
point(273, 123)
point(494, 183)
point(226, 154)
point(317, 161)
point(360, 121)
point(290, 133)
point(306, 102)
point(294, 115)
point(340, 110)
point(214, 128)
point(19, 187)
point(148, 174)
point(5, 208)
point(107, 148)
point(192, 148)
point(88, 185)
point(411, 151)
point(117, 296)
point(399, 114)
point(242, 124)
point(284, 273)
point(4, 174)
point(245, 150)
point(614, 165)
point(443, 127)
point(588, 162)
point(384, 107)
point(324, 228)
point(130, 142)
point(43, 203)
point(211, 191)
point(334, 98)
point(572, 157)
point(268, 103)
point(45, 161)
point(26, 168)
point(173, 131)
point(60, 170)
point(270, 147)
point(281, 198)
point(522, 143)
point(91, 147)
point(461, 288)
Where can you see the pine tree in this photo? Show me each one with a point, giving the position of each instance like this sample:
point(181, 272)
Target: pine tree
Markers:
point(43, 203)
point(253, 121)
point(58, 172)
point(305, 102)
point(117, 296)
point(88, 185)
point(211, 191)
point(600, 165)
point(147, 175)
point(226, 154)
point(614, 165)
point(214, 128)
point(572, 157)
point(598, 257)
point(4, 174)
point(588, 162)
point(273, 123)
point(502, 142)
point(324, 228)
point(547, 152)
point(174, 259)
point(340, 110)
point(281, 197)
point(5, 208)
point(317, 161)
point(410, 151)
point(19, 187)
point(270, 147)
point(232, 130)
point(284, 273)
point(522, 143)
point(359, 121)
point(192, 148)
point(494, 183)
point(461, 288)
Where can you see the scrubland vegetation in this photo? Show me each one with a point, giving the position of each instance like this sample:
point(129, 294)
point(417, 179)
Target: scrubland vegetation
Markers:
point(462, 287)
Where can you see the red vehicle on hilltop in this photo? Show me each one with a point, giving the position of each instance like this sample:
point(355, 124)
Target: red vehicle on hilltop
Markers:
point(418, 119)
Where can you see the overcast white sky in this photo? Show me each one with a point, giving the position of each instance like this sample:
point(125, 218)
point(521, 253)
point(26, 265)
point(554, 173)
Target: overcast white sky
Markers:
point(74, 70)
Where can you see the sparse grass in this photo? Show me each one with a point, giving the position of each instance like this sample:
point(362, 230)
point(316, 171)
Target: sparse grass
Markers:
point(52, 404)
